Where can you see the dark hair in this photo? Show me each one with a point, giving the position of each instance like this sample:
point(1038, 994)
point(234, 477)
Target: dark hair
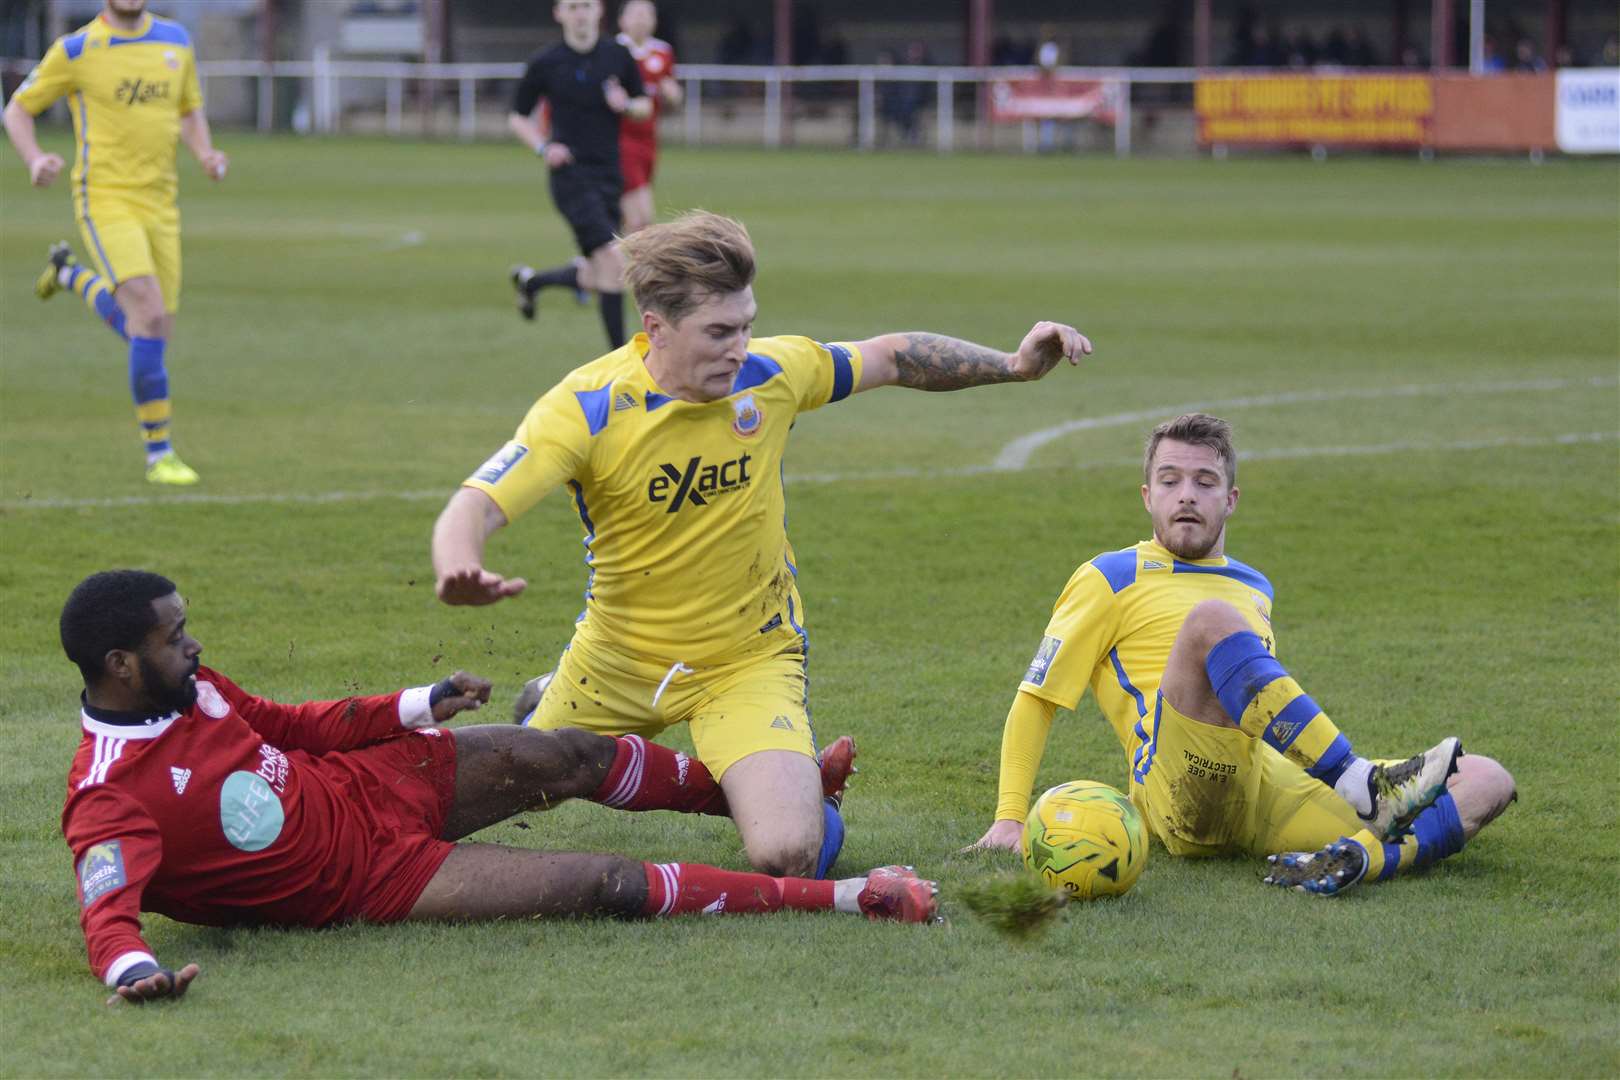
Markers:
point(106, 611)
point(1199, 429)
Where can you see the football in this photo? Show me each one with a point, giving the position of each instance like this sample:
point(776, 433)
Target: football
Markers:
point(1085, 838)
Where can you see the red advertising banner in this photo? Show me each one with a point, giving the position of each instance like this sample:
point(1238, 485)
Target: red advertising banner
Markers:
point(1012, 100)
point(1294, 110)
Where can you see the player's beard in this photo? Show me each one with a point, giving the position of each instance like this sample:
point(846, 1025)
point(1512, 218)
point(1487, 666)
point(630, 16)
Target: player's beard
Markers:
point(1190, 546)
point(165, 696)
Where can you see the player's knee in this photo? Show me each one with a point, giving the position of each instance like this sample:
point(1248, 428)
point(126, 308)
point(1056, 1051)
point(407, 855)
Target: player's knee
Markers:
point(790, 851)
point(1211, 622)
point(1482, 789)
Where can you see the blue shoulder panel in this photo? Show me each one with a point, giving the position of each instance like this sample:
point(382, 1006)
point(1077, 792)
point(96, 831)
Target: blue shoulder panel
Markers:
point(73, 45)
point(755, 370)
point(161, 32)
point(1233, 569)
point(657, 401)
point(1117, 567)
point(843, 373)
point(595, 404)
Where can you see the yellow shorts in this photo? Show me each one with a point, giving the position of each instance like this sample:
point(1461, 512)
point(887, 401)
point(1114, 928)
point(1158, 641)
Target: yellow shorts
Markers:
point(734, 709)
point(1207, 790)
point(129, 237)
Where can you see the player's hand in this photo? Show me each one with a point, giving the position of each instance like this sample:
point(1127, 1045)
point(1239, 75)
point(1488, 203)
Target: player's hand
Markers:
point(214, 163)
point(1005, 834)
point(164, 984)
point(618, 98)
point(474, 586)
point(464, 692)
point(558, 155)
point(1044, 346)
point(43, 170)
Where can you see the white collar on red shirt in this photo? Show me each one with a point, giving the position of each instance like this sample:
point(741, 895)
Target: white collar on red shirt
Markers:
point(126, 726)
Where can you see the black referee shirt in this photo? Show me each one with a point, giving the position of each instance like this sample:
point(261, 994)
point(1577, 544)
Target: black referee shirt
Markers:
point(572, 82)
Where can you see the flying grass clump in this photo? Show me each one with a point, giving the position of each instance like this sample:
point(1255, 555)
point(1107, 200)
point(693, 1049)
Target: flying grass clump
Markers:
point(1019, 905)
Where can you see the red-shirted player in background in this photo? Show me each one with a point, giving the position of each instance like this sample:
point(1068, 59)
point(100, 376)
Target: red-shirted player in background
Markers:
point(197, 800)
point(638, 139)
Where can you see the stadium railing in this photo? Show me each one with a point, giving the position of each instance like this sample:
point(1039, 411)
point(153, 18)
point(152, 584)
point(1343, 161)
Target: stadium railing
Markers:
point(324, 96)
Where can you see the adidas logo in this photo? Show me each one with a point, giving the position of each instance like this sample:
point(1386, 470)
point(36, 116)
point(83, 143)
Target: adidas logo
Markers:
point(624, 401)
point(1282, 730)
point(180, 777)
point(1149, 564)
point(682, 765)
point(782, 723)
point(716, 908)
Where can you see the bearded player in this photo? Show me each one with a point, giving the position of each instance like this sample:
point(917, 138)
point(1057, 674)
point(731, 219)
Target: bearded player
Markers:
point(1227, 753)
point(638, 136)
point(671, 448)
point(193, 798)
point(131, 83)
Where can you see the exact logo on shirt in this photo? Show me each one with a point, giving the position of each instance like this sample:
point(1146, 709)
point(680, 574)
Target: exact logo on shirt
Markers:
point(697, 483)
point(101, 871)
point(501, 463)
point(1036, 675)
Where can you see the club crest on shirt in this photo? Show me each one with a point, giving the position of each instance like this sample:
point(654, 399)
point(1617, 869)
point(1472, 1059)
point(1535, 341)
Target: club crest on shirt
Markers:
point(211, 702)
point(748, 419)
point(171, 60)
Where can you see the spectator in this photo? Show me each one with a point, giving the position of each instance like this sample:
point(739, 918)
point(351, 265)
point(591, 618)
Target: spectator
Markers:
point(1525, 57)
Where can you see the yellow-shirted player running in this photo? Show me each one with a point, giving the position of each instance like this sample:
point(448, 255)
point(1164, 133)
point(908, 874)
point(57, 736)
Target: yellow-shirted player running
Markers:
point(130, 80)
point(1226, 753)
point(671, 448)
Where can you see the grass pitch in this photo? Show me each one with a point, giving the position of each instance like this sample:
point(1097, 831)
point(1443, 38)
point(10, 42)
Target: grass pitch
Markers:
point(1420, 361)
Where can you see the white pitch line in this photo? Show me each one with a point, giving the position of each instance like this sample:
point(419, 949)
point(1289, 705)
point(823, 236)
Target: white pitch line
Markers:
point(1016, 454)
point(1277, 454)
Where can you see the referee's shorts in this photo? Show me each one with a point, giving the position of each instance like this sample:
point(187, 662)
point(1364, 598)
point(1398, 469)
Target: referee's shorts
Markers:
point(587, 196)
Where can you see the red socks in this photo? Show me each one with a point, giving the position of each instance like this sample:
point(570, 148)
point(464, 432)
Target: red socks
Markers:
point(681, 888)
point(646, 776)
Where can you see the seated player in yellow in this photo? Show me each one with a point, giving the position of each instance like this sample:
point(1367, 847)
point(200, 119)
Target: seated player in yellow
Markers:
point(671, 447)
point(1227, 754)
point(131, 83)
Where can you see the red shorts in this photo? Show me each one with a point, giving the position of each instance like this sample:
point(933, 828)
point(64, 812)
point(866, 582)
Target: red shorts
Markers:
point(637, 159)
point(404, 787)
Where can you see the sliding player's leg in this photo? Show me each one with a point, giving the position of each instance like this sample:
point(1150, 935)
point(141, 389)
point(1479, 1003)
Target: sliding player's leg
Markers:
point(487, 881)
point(1218, 661)
point(1310, 860)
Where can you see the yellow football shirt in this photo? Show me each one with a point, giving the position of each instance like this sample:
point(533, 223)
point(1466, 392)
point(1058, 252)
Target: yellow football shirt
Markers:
point(1114, 625)
point(681, 502)
point(127, 92)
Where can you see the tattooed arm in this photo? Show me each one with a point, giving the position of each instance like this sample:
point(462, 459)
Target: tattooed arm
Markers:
point(935, 362)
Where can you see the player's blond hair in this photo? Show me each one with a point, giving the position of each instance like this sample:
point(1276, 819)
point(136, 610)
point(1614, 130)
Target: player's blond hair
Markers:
point(674, 267)
point(1199, 429)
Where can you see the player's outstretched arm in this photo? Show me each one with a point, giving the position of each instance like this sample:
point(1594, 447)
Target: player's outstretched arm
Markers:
point(43, 168)
point(459, 536)
point(1023, 744)
point(924, 361)
point(148, 982)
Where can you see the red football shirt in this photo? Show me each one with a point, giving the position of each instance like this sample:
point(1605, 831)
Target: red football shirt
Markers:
point(222, 814)
point(656, 60)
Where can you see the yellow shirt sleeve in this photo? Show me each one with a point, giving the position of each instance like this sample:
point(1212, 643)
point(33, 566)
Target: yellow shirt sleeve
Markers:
point(819, 374)
point(1023, 743)
point(52, 78)
point(191, 98)
point(550, 447)
point(1084, 624)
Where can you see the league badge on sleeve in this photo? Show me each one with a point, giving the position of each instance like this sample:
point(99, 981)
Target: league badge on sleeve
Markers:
point(101, 871)
point(1038, 667)
point(749, 417)
point(501, 463)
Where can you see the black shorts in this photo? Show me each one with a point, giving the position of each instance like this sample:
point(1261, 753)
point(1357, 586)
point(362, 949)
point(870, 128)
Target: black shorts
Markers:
point(587, 196)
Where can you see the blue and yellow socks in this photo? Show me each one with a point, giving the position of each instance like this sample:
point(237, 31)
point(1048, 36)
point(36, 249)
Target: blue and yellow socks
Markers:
point(1264, 700)
point(149, 385)
point(93, 290)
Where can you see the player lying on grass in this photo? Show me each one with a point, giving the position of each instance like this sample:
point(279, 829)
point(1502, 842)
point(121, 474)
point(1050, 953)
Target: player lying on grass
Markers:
point(1227, 753)
point(195, 799)
point(671, 448)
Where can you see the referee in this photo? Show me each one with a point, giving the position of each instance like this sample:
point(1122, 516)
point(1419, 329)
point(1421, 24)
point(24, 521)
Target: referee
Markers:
point(588, 82)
